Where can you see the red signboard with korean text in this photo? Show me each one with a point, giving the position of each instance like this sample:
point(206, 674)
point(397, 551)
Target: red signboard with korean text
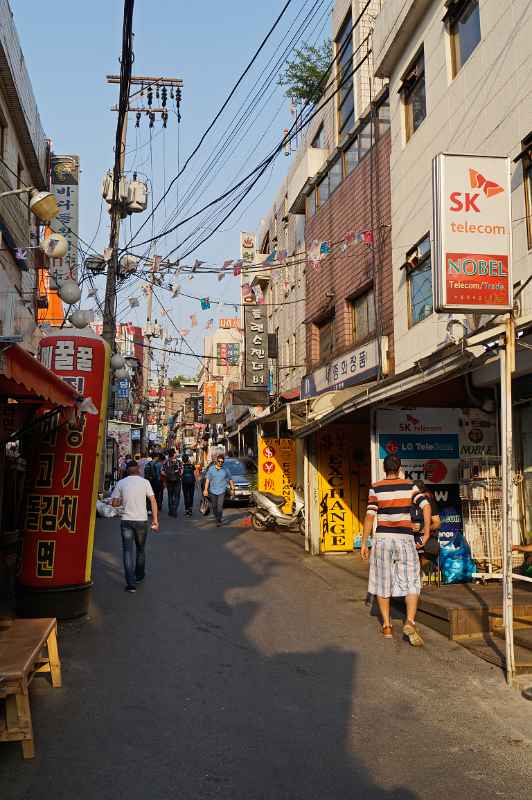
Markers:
point(63, 482)
point(472, 233)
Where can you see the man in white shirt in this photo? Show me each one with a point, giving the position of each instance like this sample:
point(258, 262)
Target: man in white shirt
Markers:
point(131, 493)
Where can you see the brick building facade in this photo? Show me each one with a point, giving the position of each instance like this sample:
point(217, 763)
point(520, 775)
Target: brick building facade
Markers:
point(344, 276)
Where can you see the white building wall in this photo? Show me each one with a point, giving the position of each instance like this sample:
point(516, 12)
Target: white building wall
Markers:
point(486, 109)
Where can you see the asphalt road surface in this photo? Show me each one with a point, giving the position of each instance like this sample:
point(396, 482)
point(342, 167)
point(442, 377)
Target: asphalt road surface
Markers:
point(243, 669)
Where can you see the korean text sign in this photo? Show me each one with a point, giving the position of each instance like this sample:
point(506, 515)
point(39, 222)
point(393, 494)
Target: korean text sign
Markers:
point(472, 233)
point(210, 398)
point(256, 347)
point(60, 500)
point(277, 469)
point(65, 187)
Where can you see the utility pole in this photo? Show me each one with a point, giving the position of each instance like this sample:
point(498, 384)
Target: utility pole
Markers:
point(124, 79)
point(165, 89)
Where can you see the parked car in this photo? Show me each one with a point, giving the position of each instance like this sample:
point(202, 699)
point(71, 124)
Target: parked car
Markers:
point(244, 474)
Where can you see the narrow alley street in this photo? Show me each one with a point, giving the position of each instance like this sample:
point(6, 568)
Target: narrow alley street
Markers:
point(244, 669)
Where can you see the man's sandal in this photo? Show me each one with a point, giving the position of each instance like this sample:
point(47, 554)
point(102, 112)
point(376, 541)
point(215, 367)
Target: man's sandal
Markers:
point(411, 632)
point(387, 631)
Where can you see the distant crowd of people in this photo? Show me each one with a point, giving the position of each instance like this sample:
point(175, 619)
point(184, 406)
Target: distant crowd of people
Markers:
point(167, 471)
point(140, 492)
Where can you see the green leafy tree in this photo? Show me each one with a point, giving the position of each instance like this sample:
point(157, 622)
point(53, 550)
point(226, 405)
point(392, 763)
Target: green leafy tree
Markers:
point(177, 381)
point(304, 78)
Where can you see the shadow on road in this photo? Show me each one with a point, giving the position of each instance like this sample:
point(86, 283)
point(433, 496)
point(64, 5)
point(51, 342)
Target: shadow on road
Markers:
point(188, 689)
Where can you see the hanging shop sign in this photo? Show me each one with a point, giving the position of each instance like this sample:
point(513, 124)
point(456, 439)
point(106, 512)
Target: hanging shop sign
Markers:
point(227, 354)
point(121, 433)
point(248, 247)
point(277, 469)
point(60, 502)
point(64, 179)
point(343, 483)
point(256, 347)
point(357, 366)
point(210, 398)
point(228, 323)
point(472, 233)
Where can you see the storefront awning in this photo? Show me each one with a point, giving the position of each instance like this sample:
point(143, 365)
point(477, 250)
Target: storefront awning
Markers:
point(22, 377)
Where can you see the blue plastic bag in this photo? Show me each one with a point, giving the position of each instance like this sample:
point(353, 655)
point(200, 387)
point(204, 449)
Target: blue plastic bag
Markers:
point(456, 563)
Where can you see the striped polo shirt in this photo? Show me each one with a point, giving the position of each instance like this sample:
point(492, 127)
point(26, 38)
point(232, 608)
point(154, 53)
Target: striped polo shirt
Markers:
point(391, 500)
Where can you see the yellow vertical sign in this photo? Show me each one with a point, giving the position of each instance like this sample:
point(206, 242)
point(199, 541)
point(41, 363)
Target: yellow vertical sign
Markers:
point(343, 466)
point(277, 468)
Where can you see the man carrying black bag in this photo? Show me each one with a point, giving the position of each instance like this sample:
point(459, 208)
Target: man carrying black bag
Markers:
point(172, 473)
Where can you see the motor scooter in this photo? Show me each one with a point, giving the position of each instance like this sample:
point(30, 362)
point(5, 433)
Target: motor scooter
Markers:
point(267, 514)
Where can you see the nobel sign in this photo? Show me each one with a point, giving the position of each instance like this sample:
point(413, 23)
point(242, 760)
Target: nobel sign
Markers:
point(472, 233)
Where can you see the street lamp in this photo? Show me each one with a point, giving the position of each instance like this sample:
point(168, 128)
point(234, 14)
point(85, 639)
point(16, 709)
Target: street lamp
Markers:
point(42, 204)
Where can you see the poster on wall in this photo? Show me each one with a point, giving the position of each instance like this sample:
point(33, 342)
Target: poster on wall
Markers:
point(277, 468)
point(431, 443)
point(472, 233)
point(122, 435)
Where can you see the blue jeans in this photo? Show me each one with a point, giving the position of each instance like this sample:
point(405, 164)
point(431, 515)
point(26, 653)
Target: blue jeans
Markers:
point(174, 496)
point(217, 505)
point(134, 536)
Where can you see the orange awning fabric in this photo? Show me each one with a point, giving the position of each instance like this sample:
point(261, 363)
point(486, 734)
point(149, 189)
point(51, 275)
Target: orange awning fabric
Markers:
point(22, 377)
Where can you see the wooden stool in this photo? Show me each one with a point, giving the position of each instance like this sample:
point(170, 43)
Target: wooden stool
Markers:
point(27, 647)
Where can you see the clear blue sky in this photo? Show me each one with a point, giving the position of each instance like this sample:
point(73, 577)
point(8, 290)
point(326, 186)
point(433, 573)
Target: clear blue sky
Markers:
point(70, 48)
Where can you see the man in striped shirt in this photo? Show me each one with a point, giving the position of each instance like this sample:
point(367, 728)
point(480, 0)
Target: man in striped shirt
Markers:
point(394, 565)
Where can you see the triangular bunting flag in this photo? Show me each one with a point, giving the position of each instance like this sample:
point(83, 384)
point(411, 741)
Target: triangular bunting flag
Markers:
point(204, 302)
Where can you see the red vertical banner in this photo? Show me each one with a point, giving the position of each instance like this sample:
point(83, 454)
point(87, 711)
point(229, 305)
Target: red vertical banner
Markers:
point(63, 482)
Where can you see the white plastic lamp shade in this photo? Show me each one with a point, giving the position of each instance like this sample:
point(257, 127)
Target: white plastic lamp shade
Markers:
point(54, 246)
point(43, 205)
point(117, 361)
point(79, 318)
point(121, 373)
point(70, 292)
point(129, 263)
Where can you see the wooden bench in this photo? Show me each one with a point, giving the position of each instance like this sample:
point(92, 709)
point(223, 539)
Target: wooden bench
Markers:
point(27, 646)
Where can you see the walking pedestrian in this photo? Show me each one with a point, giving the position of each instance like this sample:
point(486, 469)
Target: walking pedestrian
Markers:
point(131, 493)
point(217, 479)
point(157, 482)
point(172, 472)
point(189, 485)
point(394, 566)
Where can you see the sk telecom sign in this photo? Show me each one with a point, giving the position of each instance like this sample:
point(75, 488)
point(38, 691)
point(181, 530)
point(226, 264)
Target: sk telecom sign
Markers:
point(472, 233)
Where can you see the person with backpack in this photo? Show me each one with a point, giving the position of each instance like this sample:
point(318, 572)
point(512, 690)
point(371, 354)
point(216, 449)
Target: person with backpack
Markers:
point(189, 485)
point(172, 473)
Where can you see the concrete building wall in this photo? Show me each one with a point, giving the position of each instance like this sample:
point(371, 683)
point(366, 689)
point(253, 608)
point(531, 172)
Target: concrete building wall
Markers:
point(486, 109)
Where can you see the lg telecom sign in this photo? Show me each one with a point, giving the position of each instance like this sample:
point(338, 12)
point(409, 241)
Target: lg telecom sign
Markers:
point(472, 233)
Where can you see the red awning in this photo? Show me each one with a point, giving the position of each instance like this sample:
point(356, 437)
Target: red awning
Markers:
point(22, 377)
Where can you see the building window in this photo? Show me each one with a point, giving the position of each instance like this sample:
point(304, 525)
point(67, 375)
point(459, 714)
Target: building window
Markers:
point(3, 136)
point(419, 277)
point(384, 118)
point(364, 140)
point(335, 175)
point(363, 317)
point(526, 159)
point(344, 78)
point(319, 139)
point(323, 191)
point(413, 93)
point(351, 157)
point(326, 339)
point(464, 28)
point(311, 204)
point(20, 174)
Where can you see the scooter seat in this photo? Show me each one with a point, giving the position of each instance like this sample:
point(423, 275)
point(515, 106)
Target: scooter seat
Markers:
point(275, 498)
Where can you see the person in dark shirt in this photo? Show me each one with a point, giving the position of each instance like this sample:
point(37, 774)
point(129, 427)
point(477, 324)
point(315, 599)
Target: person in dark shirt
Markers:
point(188, 481)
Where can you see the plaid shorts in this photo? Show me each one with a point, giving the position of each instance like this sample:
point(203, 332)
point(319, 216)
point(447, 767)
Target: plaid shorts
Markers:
point(394, 566)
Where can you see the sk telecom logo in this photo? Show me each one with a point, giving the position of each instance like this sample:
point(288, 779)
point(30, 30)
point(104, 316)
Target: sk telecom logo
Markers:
point(467, 201)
